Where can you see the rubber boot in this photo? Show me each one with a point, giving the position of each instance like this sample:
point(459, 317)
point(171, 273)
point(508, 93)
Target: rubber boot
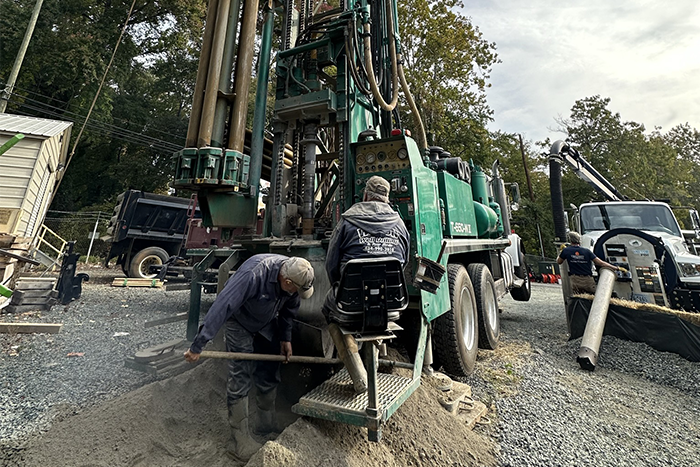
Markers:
point(348, 353)
point(266, 425)
point(241, 446)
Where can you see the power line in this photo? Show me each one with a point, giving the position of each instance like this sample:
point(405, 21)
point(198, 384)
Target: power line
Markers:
point(142, 140)
point(50, 98)
point(62, 112)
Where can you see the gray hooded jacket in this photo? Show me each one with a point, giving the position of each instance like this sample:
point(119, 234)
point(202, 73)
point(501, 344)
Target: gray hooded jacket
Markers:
point(366, 230)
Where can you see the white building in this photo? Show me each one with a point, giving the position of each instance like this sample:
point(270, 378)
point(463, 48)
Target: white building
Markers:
point(30, 171)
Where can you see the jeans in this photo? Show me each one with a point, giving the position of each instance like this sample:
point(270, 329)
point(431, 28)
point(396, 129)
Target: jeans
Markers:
point(240, 372)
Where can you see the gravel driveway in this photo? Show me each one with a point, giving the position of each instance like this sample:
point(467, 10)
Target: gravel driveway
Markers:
point(639, 408)
point(38, 379)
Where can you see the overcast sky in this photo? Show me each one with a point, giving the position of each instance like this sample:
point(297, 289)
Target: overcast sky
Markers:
point(643, 55)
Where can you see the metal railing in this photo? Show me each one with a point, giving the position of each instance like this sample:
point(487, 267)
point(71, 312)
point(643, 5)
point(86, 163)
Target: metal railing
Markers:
point(48, 243)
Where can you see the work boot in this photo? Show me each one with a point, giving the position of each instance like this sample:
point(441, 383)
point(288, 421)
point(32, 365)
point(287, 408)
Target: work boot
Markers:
point(241, 446)
point(266, 425)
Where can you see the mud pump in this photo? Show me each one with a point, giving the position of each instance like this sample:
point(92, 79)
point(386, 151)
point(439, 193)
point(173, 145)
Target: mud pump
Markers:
point(337, 77)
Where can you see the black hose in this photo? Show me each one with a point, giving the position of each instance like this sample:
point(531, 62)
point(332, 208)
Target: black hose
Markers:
point(557, 198)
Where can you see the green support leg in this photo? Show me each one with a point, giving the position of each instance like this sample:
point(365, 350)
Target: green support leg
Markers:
point(196, 294)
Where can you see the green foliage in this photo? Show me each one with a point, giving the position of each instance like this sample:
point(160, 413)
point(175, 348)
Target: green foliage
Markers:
point(447, 63)
point(140, 117)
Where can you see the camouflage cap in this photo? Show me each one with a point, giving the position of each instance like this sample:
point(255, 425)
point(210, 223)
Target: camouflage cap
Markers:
point(301, 273)
point(377, 189)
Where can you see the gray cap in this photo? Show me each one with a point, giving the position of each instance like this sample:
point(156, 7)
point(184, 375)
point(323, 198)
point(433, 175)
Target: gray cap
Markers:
point(301, 273)
point(574, 237)
point(377, 188)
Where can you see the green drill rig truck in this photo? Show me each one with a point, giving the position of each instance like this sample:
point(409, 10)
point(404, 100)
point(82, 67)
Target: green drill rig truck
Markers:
point(337, 75)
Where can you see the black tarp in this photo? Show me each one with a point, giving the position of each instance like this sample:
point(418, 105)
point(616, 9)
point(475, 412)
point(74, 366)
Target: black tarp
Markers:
point(662, 331)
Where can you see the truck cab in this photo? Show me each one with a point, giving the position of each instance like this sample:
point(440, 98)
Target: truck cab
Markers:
point(645, 238)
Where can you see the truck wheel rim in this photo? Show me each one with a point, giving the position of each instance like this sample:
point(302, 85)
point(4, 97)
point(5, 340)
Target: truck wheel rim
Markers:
point(492, 308)
point(467, 315)
point(147, 263)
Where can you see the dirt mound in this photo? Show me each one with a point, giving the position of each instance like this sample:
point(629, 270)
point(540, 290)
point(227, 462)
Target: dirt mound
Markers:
point(182, 422)
point(420, 433)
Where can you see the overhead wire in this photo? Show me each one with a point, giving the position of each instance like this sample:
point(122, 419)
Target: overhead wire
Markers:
point(82, 116)
point(145, 141)
point(120, 133)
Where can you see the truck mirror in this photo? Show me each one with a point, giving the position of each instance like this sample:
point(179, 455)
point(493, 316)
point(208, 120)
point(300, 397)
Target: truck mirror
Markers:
point(695, 219)
point(515, 193)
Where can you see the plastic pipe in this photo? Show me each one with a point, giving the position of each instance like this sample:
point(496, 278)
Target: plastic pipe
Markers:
point(593, 334)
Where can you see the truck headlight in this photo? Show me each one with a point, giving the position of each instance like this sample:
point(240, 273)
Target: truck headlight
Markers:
point(689, 269)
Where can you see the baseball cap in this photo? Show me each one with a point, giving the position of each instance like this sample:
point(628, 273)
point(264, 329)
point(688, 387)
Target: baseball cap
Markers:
point(574, 237)
point(379, 186)
point(301, 273)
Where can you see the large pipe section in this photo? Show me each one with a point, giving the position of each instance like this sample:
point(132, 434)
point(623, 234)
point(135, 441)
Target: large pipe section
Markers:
point(217, 137)
point(556, 191)
point(203, 67)
point(244, 66)
point(212, 87)
point(593, 334)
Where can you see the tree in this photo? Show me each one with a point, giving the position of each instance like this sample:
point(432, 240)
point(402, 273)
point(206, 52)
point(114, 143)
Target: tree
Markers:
point(447, 62)
point(638, 164)
point(140, 117)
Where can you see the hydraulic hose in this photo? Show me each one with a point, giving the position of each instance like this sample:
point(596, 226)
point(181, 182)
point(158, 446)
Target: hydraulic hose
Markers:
point(422, 140)
point(392, 55)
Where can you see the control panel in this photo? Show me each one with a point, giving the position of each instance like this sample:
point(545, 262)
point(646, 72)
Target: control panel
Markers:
point(381, 156)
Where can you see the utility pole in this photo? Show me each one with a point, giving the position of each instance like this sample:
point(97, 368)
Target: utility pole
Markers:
point(527, 169)
point(7, 92)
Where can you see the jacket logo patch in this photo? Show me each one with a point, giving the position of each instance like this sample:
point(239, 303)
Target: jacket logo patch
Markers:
point(378, 246)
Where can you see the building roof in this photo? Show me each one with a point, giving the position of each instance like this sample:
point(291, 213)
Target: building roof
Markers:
point(31, 125)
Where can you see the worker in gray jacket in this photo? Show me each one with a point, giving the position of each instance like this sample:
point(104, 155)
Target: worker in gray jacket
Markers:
point(368, 229)
point(257, 305)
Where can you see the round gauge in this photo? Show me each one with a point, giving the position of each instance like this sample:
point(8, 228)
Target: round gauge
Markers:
point(392, 155)
point(371, 158)
point(381, 156)
point(360, 159)
point(403, 153)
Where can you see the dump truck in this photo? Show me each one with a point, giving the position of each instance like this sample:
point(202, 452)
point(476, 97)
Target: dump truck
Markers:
point(146, 229)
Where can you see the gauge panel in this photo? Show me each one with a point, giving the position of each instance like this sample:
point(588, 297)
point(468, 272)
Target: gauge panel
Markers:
point(381, 156)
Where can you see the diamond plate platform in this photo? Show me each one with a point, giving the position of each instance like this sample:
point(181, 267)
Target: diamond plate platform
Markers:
point(337, 396)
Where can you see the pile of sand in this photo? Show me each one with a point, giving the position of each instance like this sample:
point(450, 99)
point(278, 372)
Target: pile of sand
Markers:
point(182, 422)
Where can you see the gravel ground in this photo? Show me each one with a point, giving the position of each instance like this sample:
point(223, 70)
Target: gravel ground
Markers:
point(639, 408)
point(39, 381)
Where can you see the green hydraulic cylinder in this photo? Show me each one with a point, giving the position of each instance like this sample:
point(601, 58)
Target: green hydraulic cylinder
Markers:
point(256, 144)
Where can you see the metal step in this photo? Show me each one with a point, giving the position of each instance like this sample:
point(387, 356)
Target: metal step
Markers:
point(335, 398)
point(44, 259)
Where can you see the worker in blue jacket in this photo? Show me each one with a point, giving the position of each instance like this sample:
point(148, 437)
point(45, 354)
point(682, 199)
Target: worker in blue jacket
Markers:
point(257, 305)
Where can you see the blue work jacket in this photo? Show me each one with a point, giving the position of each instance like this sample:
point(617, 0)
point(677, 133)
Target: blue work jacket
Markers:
point(254, 298)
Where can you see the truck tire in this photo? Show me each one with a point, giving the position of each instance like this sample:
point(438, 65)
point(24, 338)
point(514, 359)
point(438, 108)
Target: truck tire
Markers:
point(486, 305)
point(455, 333)
point(151, 256)
point(522, 294)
